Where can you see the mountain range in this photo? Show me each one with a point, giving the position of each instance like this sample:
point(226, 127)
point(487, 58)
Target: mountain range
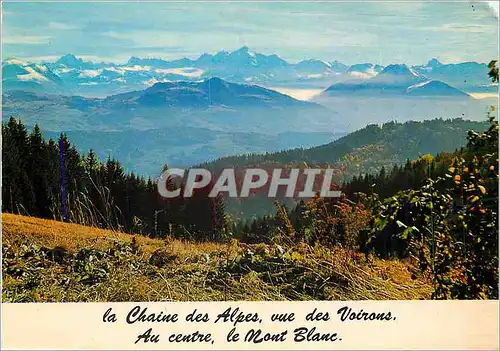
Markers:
point(73, 76)
point(197, 121)
point(213, 104)
point(399, 93)
point(398, 79)
point(394, 143)
point(366, 150)
point(150, 111)
point(180, 123)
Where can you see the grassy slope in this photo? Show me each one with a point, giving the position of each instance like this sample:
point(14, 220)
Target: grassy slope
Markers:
point(194, 271)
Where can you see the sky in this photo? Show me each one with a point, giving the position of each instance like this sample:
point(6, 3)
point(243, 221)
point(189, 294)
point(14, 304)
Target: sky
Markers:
point(378, 32)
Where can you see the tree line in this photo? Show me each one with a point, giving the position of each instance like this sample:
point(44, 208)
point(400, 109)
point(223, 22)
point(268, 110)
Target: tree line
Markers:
point(439, 212)
point(51, 179)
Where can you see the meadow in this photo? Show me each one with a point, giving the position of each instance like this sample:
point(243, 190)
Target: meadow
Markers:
point(50, 261)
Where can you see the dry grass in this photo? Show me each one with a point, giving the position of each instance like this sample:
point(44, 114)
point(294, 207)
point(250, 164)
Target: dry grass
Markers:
point(200, 271)
point(73, 237)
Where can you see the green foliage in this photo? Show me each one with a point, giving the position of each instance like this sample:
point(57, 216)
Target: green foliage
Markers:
point(411, 175)
point(493, 70)
point(98, 193)
point(391, 143)
point(361, 154)
point(440, 212)
point(449, 225)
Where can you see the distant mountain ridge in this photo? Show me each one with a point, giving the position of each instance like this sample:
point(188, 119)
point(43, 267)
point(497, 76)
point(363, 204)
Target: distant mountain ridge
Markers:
point(396, 80)
point(72, 75)
point(434, 88)
point(146, 151)
point(364, 151)
point(212, 103)
point(179, 122)
point(211, 92)
point(463, 75)
point(393, 142)
point(23, 75)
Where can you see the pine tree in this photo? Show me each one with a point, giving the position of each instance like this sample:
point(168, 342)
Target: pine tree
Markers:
point(38, 170)
point(18, 193)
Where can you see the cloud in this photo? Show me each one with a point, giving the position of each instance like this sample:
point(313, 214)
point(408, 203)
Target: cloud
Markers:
point(149, 38)
point(90, 73)
point(136, 68)
point(186, 71)
point(116, 35)
point(62, 26)
point(26, 40)
point(154, 81)
point(363, 75)
point(42, 58)
point(384, 32)
point(461, 28)
point(450, 57)
point(15, 61)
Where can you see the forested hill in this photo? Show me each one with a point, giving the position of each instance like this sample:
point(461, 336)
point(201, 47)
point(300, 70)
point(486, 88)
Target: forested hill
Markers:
point(370, 148)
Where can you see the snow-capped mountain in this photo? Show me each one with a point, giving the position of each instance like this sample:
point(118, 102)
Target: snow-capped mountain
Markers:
point(71, 61)
point(314, 68)
point(397, 75)
point(241, 58)
point(364, 70)
point(240, 66)
point(396, 80)
point(71, 75)
point(23, 75)
point(469, 76)
point(434, 88)
point(433, 63)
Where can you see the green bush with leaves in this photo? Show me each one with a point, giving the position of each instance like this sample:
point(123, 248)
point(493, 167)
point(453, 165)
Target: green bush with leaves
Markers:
point(449, 225)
